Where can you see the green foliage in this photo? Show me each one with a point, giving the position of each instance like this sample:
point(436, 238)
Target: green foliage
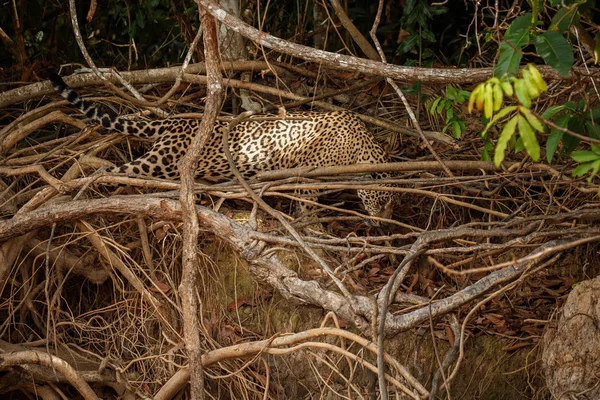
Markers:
point(555, 50)
point(449, 106)
point(417, 18)
point(574, 117)
point(489, 97)
point(590, 162)
point(552, 46)
point(515, 38)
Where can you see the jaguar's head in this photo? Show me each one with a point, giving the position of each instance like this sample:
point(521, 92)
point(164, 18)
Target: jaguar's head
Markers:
point(379, 203)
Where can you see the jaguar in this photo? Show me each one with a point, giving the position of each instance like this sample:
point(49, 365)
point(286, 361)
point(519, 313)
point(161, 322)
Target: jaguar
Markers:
point(313, 139)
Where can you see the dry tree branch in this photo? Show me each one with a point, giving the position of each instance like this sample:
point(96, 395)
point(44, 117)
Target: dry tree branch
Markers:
point(57, 184)
point(69, 262)
point(187, 168)
point(406, 166)
point(155, 75)
point(19, 134)
point(281, 345)
point(388, 289)
point(117, 263)
point(333, 60)
point(48, 360)
point(267, 267)
point(451, 356)
point(166, 74)
point(324, 105)
point(358, 37)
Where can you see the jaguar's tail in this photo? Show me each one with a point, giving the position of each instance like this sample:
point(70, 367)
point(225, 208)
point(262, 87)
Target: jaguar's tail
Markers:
point(106, 117)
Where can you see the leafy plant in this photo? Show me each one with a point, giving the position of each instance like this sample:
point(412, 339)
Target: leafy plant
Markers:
point(590, 161)
point(550, 45)
point(416, 23)
point(448, 106)
point(489, 97)
point(574, 117)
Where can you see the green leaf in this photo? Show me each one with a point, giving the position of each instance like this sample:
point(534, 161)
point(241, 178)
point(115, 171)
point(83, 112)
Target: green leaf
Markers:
point(595, 168)
point(514, 33)
point(463, 95)
point(519, 146)
point(584, 156)
point(485, 155)
point(532, 119)
point(553, 110)
point(529, 140)
point(535, 8)
point(433, 107)
point(522, 92)
point(456, 130)
point(582, 169)
point(570, 143)
point(562, 19)
point(508, 60)
point(507, 132)
point(555, 50)
point(517, 34)
point(487, 148)
point(593, 130)
point(595, 114)
point(442, 105)
point(500, 114)
point(451, 92)
point(552, 144)
point(408, 44)
point(139, 18)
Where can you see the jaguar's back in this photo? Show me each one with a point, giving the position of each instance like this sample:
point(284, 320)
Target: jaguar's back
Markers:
point(256, 144)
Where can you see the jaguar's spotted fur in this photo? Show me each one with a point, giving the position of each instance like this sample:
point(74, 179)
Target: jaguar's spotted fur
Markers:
point(302, 139)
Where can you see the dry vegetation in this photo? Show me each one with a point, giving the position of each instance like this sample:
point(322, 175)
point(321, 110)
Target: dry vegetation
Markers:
point(90, 275)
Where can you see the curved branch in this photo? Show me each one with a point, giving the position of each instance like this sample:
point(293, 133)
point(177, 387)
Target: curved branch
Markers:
point(50, 361)
point(268, 268)
point(275, 346)
point(333, 60)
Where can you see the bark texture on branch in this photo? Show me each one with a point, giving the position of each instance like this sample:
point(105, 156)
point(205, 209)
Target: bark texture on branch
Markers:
point(188, 166)
point(267, 267)
point(341, 61)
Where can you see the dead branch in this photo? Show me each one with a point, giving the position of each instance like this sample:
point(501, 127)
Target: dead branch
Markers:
point(268, 268)
point(358, 37)
point(456, 165)
point(156, 75)
point(19, 134)
point(285, 344)
point(37, 357)
point(344, 62)
point(69, 262)
point(187, 170)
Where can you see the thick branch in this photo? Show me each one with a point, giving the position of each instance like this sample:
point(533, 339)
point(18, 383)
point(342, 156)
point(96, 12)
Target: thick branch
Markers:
point(156, 75)
point(47, 360)
point(341, 61)
point(189, 163)
point(267, 267)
